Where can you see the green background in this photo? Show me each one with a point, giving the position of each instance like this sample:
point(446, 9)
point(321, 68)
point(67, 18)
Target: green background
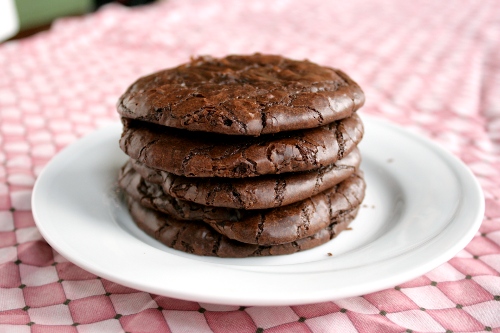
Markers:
point(35, 13)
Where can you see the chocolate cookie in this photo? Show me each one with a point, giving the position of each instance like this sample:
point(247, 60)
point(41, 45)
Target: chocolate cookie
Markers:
point(265, 227)
point(252, 193)
point(243, 95)
point(198, 154)
point(198, 238)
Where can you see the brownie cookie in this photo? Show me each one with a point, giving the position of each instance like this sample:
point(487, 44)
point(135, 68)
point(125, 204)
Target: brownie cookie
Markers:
point(198, 238)
point(265, 227)
point(198, 154)
point(243, 95)
point(252, 193)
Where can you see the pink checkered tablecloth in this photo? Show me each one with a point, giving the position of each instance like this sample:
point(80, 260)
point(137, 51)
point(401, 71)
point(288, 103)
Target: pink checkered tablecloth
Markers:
point(431, 66)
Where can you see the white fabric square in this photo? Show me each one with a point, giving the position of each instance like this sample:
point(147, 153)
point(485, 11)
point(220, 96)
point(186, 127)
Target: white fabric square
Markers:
point(29, 234)
point(416, 320)
point(186, 321)
point(51, 315)
point(126, 304)
point(6, 221)
point(4, 328)
point(492, 260)
point(108, 326)
point(487, 313)
point(33, 276)
point(489, 282)
point(358, 305)
point(445, 272)
point(21, 200)
point(495, 235)
point(266, 317)
point(8, 254)
point(324, 324)
point(85, 288)
point(428, 297)
point(21, 179)
point(11, 298)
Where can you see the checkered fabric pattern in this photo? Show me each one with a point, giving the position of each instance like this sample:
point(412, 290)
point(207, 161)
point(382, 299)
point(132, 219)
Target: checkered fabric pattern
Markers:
point(431, 66)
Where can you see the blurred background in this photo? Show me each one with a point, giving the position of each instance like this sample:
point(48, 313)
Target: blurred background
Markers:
point(22, 18)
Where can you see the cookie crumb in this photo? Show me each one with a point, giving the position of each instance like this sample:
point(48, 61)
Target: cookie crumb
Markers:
point(390, 160)
point(349, 228)
point(365, 205)
point(373, 206)
point(329, 254)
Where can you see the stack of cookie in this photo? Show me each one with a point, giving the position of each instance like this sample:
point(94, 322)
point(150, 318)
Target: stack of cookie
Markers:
point(243, 155)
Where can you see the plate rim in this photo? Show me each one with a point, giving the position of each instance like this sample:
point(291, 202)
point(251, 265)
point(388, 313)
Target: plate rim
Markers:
point(284, 299)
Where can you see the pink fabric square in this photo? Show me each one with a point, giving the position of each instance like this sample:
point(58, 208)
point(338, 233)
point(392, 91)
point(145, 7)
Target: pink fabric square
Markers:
point(492, 208)
point(226, 322)
point(37, 253)
point(116, 288)
point(464, 292)
point(91, 309)
point(7, 238)
point(23, 219)
point(315, 310)
point(148, 321)
point(53, 329)
point(218, 307)
point(294, 327)
point(168, 303)
point(69, 271)
point(473, 267)
point(489, 226)
point(49, 294)
point(391, 300)
point(480, 246)
point(9, 275)
point(15, 317)
point(455, 320)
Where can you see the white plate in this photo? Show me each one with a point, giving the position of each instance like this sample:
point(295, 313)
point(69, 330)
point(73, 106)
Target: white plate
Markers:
point(422, 206)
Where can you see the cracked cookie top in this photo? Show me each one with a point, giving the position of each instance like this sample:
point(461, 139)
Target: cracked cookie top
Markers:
point(199, 154)
point(243, 95)
point(268, 191)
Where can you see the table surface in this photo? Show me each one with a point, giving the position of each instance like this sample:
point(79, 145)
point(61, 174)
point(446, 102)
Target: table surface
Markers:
point(432, 67)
